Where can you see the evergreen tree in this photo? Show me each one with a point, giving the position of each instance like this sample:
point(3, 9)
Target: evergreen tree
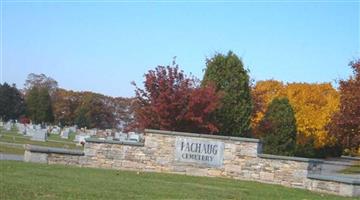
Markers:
point(38, 104)
point(11, 102)
point(228, 75)
point(32, 99)
point(82, 120)
point(45, 107)
point(278, 128)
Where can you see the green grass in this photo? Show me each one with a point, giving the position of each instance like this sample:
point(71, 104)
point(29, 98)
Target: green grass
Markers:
point(58, 138)
point(9, 149)
point(355, 169)
point(39, 181)
point(14, 137)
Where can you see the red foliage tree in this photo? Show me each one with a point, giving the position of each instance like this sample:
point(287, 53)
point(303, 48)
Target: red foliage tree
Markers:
point(172, 101)
point(345, 124)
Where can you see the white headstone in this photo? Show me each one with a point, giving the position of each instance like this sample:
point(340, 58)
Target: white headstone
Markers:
point(55, 130)
point(8, 126)
point(72, 129)
point(92, 132)
point(134, 137)
point(65, 133)
point(40, 135)
point(120, 136)
point(21, 128)
point(79, 139)
point(30, 131)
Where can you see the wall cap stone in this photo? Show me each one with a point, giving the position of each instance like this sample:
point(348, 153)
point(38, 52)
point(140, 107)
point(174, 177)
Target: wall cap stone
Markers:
point(351, 157)
point(340, 179)
point(96, 140)
point(175, 133)
point(269, 156)
point(41, 149)
point(301, 159)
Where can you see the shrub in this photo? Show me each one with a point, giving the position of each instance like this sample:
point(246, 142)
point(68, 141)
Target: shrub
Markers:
point(278, 128)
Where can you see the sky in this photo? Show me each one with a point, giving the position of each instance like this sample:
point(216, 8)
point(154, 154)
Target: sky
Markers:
point(103, 46)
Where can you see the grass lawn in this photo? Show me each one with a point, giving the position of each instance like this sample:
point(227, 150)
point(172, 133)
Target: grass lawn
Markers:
point(16, 138)
point(355, 169)
point(39, 181)
point(9, 149)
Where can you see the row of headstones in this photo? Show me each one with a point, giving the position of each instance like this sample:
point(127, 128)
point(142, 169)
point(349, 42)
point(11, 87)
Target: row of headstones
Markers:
point(131, 136)
point(36, 132)
point(116, 136)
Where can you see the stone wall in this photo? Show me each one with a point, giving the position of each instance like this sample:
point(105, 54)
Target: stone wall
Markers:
point(52, 155)
point(241, 158)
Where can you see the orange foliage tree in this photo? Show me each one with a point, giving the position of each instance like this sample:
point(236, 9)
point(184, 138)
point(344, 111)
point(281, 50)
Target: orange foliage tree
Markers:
point(313, 104)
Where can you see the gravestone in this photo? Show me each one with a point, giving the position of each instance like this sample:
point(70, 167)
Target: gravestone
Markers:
point(37, 126)
point(30, 131)
point(55, 130)
point(79, 139)
point(1, 123)
point(65, 133)
point(8, 126)
point(21, 128)
point(134, 137)
point(92, 132)
point(108, 132)
point(72, 129)
point(40, 135)
point(120, 136)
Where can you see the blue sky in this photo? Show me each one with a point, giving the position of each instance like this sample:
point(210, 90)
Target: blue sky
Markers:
point(102, 47)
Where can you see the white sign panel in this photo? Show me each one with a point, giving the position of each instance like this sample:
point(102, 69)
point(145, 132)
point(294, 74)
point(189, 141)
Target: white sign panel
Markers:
point(200, 151)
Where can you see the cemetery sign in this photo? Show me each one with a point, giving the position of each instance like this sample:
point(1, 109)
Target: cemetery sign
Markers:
point(199, 151)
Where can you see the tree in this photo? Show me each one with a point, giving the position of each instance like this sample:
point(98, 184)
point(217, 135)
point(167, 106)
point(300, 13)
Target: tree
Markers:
point(11, 102)
point(228, 75)
point(41, 81)
point(345, 124)
point(278, 128)
point(38, 105)
point(82, 118)
point(64, 105)
point(45, 111)
point(172, 101)
point(93, 112)
point(262, 94)
point(124, 109)
point(313, 104)
point(31, 101)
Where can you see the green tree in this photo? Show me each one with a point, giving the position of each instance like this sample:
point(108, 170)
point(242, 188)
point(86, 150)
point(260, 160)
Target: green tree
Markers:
point(45, 106)
point(278, 128)
point(93, 112)
point(82, 118)
point(38, 104)
point(228, 75)
point(11, 102)
point(31, 101)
